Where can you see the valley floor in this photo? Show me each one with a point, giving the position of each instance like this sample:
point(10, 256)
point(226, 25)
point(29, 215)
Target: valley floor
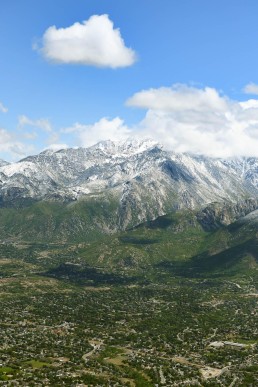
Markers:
point(153, 329)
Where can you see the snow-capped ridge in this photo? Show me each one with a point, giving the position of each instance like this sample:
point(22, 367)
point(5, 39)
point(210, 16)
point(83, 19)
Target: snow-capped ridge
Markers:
point(127, 147)
point(24, 167)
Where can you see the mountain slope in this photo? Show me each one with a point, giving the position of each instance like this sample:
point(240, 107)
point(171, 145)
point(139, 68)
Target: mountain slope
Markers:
point(172, 245)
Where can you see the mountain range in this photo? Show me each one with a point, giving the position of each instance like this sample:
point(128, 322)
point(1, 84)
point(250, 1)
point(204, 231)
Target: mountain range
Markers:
point(114, 186)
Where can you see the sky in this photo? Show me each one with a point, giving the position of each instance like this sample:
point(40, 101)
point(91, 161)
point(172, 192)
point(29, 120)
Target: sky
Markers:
point(75, 72)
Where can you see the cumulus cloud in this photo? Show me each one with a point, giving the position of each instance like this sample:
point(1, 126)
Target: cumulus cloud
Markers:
point(178, 98)
point(182, 118)
point(41, 123)
point(3, 109)
point(251, 88)
point(104, 129)
point(56, 147)
point(5, 138)
point(188, 119)
point(11, 147)
point(93, 42)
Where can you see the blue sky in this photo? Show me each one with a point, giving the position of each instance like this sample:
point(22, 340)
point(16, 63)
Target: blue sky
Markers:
point(176, 71)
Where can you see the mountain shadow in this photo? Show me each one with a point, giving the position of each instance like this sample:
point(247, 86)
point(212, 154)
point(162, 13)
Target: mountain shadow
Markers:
point(85, 275)
point(225, 262)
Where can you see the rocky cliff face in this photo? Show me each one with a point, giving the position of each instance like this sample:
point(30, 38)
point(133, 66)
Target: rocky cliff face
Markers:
point(216, 215)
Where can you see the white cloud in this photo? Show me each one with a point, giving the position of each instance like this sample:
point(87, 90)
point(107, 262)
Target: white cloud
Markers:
point(94, 42)
point(184, 119)
point(56, 147)
point(201, 121)
point(11, 147)
point(30, 136)
point(53, 142)
point(41, 123)
point(251, 88)
point(53, 138)
point(104, 129)
point(5, 138)
point(178, 98)
point(3, 108)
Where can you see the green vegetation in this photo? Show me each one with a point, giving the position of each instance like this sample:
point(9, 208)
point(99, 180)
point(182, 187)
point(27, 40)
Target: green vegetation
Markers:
point(58, 222)
point(37, 364)
point(138, 308)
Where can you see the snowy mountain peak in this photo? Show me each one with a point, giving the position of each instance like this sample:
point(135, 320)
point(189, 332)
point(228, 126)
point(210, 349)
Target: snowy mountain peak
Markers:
point(124, 148)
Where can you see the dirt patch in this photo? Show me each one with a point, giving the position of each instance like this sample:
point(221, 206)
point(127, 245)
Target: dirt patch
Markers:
point(209, 372)
point(5, 261)
point(206, 372)
point(118, 361)
point(95, 289)
point(126, 380)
